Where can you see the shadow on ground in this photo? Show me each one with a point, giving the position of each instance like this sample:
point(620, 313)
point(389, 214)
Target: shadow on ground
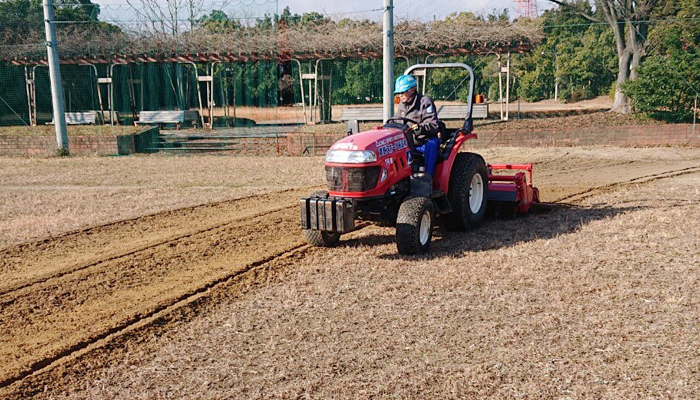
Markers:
point(549, 221)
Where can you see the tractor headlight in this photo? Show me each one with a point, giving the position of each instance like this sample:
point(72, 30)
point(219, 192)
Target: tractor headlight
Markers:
point(351, 157)
point(383, 176)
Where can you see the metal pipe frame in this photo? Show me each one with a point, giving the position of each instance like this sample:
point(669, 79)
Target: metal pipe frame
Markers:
point(301, 85)
point(110, 89)
point(316, 85)
point(199, 93)
point(450, 65)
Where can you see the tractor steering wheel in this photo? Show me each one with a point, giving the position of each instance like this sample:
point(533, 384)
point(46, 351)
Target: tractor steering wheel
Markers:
point(402, 119)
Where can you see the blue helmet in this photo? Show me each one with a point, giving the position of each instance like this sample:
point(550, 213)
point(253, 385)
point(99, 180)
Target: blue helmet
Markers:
point(403, 83)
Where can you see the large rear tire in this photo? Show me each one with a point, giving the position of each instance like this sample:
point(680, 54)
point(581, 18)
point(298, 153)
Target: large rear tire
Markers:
point(321, 238)
point(414, 226)
point(468, 192)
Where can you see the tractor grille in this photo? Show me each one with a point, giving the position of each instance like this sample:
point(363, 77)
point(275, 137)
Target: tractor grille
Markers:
point(352, 179)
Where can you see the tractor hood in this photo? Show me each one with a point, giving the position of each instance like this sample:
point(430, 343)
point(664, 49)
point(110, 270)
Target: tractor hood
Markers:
point(368, 163)
point(381, 142)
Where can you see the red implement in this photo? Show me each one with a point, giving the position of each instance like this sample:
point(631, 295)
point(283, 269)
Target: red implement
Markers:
point(512, 189)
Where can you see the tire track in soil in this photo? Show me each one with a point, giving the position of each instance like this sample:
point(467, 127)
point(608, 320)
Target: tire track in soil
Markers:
point(26, 264)
point(142, 322)
point(55, 317)
point(100, 351)
point(77, 268)
point(579, 196)
point(583, 168)
point(122, 276)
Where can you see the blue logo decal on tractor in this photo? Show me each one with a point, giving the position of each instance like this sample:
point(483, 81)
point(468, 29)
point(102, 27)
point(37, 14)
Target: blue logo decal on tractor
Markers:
point(390, 148)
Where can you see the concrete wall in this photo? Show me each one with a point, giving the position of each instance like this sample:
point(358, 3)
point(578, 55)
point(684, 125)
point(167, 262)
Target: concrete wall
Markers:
point(631, 135)
point(45, 145)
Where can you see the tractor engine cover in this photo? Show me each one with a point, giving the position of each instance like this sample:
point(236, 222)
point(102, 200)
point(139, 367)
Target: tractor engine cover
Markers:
point(367, 164)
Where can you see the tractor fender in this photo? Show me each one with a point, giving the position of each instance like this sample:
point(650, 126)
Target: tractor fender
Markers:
point(443, 170)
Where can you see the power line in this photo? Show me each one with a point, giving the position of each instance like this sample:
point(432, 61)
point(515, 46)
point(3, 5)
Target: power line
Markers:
point(230, 18)
point(622, 22)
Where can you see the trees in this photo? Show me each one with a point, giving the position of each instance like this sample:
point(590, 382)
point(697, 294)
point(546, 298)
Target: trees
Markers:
point(667, 81)
point(20, 18)
point(629, 22)
point(218, 22)
point(575, 60)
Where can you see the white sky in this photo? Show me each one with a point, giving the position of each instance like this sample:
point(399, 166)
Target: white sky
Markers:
point(404, 9)
point(115, 10)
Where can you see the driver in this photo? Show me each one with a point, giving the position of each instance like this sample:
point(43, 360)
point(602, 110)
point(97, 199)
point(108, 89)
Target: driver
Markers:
point(421, 109)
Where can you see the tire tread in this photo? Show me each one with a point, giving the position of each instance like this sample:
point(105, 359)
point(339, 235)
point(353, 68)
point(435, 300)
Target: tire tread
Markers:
point(407, 225)
point(458, 194)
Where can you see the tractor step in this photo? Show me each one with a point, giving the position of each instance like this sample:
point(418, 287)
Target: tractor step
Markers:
point(441, 202)
point(421, 185)
point(437, 194)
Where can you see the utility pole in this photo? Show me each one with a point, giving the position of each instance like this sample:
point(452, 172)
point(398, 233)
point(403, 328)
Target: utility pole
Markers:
point(388, 59)
point(59, 118)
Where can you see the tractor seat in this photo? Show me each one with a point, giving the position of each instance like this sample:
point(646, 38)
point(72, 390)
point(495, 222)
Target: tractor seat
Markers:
point(447, 138)
point(444, 134)
point(447, 141)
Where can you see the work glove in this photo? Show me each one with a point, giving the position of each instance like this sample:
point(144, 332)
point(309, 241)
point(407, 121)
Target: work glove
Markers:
point(417, 132)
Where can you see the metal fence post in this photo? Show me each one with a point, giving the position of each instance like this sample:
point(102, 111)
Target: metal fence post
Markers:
point(388, 59)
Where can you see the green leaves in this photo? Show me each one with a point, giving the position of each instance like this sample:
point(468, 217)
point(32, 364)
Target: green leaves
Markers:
point(663, 88)
point(577, 54)
point(669, 80)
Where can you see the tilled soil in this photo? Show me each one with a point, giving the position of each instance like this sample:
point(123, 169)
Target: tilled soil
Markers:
point(109, 287)
point(59, 295)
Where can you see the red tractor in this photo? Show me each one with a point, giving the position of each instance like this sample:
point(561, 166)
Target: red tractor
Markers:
point(376, 176)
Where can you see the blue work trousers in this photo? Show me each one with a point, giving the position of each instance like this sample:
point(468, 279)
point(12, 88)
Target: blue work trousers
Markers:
point(430, 151)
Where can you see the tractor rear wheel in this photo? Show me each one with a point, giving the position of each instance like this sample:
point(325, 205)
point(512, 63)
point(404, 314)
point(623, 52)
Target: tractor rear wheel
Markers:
point(321, 238)
point(414, 226)
point(467, 192)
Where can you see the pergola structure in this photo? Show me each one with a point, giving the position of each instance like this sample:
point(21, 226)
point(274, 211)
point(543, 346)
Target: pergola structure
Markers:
point(316, 43)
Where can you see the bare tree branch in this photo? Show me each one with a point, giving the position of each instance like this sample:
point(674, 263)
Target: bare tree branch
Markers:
point(362, 40)
point(579, 12)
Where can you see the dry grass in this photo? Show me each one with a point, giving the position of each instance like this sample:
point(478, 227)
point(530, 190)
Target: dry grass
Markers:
point(594, 301)
point(73, 130)
point(573, 121)
point(44, 197)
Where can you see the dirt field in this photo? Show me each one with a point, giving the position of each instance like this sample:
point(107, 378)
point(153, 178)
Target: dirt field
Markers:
point(51, 196)
point(593, 298)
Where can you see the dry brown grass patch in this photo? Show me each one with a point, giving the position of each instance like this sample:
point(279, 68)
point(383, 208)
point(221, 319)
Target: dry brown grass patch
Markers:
point(595, 301)
point(44, 197)
point(73, 130)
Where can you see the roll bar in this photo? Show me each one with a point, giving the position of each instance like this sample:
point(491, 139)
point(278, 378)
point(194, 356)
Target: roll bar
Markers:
point(468, 119)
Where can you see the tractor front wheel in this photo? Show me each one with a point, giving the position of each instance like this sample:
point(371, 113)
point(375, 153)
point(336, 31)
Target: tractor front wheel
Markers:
point(414, 226)
point(321, 238)
point(467, 192)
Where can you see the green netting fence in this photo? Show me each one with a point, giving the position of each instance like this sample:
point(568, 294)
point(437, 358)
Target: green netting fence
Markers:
point(140, 87)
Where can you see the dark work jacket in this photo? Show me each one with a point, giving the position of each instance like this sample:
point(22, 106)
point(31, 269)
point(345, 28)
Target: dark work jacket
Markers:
point(422, 110)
